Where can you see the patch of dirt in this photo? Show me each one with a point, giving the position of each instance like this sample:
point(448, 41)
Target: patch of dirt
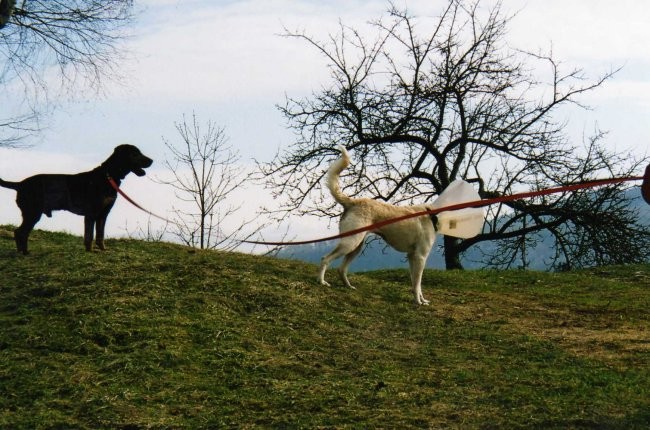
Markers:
point(599, 335)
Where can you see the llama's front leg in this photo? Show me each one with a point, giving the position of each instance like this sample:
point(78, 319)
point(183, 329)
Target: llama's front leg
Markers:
point(416, 266)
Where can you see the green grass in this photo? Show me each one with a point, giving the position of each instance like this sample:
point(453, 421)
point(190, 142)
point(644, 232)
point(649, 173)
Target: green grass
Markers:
point(151, 335)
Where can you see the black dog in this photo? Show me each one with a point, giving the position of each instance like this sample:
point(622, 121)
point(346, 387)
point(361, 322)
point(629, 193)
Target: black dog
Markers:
point(88, 194)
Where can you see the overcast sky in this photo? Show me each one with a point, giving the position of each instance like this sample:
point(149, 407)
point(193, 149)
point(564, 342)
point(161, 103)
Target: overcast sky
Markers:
point(225, 61)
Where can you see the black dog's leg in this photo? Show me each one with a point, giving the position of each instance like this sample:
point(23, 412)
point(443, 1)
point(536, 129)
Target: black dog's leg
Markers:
point(89, 226)
point(101, 224)
point(21, 234)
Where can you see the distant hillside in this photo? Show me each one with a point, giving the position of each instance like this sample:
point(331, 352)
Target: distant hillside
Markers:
point(156, 335)
point(377, 255)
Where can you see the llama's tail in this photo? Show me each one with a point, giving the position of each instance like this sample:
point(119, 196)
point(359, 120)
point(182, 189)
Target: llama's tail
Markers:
point(333, 178)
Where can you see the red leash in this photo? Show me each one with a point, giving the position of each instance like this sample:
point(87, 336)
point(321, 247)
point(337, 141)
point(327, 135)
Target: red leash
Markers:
point(645, 191)
point(116, 187)
point(476, 204)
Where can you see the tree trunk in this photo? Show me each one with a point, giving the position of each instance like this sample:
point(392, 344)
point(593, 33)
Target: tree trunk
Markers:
point(452, 254)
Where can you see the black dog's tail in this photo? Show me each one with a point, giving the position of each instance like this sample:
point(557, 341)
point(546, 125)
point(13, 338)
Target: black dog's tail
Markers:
point(7, 184)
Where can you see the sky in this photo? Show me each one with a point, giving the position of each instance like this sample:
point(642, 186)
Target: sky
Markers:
point(226, 62)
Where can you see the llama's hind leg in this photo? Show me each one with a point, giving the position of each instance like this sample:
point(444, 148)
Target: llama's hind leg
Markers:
point(346, 246)
point(343, 269)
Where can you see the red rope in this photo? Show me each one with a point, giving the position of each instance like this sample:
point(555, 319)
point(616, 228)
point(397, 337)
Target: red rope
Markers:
point(472, 204)
point(130, 200)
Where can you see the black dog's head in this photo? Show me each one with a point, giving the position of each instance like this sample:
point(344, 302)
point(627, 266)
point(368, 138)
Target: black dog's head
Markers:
point(126, 159)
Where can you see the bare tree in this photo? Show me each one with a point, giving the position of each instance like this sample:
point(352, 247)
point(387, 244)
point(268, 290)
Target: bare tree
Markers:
point(149, 233)
point(15, 128)
point(420, 110)
point(205, 174)
point(6, 11)
point(51, 47)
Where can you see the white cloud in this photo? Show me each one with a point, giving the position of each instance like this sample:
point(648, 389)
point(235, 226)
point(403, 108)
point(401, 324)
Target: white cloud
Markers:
point(583, 30)
point(233, 51)
point(199, 50)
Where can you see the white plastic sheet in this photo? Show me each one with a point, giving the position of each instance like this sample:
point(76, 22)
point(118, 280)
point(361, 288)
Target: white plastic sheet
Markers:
point(462, 223)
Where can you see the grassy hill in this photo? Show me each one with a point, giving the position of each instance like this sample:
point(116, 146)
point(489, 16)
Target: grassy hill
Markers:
point(151, 335)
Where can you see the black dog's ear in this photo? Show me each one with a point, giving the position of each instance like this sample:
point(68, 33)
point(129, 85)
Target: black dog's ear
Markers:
point(125, 149)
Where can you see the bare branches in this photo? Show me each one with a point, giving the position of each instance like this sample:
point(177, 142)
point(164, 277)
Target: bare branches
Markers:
point(54, 47)
point(205, 174)
point(80, 37)
point(14, 130)
point(421, 109)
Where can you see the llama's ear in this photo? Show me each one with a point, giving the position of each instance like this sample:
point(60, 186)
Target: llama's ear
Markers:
point(645, 186)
